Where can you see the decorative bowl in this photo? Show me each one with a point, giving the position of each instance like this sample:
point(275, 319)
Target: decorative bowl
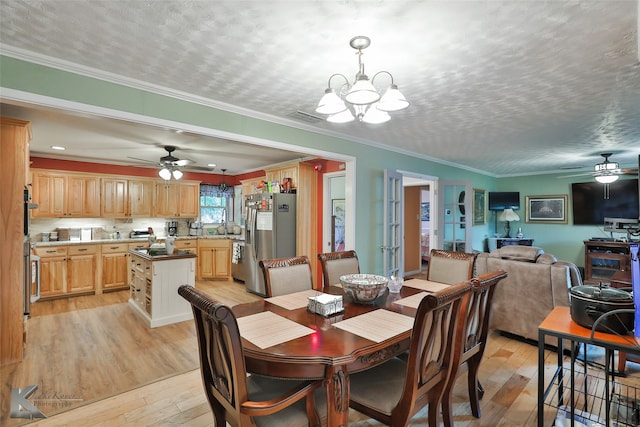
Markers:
point(364, 288)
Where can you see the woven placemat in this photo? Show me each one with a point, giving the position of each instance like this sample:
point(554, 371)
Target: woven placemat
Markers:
point(425, 285)
point(377, 325)
point(268, 329)
point(413, 301)
point(293, 301)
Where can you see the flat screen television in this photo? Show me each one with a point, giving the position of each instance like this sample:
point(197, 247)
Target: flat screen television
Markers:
point(501, 200)
point(590, 207)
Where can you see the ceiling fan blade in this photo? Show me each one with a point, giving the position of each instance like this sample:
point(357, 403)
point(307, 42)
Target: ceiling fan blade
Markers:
point(183, 162)
point(142, 160)
point(577, 174)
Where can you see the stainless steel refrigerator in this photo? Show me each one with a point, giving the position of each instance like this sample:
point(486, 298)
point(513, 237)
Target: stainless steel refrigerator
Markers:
point(270, 232)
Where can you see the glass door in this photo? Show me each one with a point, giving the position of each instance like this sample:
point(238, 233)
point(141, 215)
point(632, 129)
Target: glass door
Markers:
point(454, 204)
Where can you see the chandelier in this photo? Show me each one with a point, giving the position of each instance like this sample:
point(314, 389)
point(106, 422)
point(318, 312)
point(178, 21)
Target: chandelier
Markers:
point(606, 172)
point(360, 99)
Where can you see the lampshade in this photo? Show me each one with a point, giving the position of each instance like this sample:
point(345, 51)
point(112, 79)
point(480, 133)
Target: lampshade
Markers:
point(375, 116)
point(165, 174)
point(342, 117)
point(393, 100)
point(362, 92)
point(330, 103)
point(360, 99)
point(177, 174)
point(509, 215)
point(606, 172)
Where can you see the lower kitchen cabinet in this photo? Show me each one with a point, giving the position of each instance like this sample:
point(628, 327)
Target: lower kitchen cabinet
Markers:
point(115, 266)
point(67, 269)
point(214, 258)
point(53, 270)
point(190, 245)
point(82, 263)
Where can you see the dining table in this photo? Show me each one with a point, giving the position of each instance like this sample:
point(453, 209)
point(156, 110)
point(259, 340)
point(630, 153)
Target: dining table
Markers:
point(282, 338)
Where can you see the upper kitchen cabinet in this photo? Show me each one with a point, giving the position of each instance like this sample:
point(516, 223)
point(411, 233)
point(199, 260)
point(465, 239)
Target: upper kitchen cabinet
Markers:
point(249, 185)
point(177, 199)
point(65, 194)
point(124, 197)
point(287, 171)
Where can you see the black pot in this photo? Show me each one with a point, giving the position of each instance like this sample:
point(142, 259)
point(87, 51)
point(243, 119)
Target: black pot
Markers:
point(588, 303)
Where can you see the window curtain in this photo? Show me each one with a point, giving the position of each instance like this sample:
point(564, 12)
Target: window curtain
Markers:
point(210, 190)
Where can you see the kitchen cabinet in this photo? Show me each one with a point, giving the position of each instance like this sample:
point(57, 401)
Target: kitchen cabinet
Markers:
point(154, 283)
point(214, 258)
point(53, 270)
point(14, 169)
point(288, 171)
point(82, 263)
point(249, 185)
point(123, 197)
point(190, 245)
point(177, 199)
point(115, 266)
point(66, 270)
point(65, 195)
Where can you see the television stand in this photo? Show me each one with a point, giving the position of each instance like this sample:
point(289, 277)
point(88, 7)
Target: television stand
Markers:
point(604, 260)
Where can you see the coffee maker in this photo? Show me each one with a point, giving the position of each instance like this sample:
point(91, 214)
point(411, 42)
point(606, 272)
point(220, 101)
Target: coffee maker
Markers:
point(172, 228)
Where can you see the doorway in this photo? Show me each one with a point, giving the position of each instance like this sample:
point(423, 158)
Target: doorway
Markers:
point(420, 224)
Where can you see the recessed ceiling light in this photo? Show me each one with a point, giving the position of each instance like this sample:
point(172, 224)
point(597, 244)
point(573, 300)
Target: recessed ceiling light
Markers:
point(57, 147)
point(212, 165)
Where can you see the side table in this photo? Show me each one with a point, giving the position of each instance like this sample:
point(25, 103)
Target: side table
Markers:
point(560, 325)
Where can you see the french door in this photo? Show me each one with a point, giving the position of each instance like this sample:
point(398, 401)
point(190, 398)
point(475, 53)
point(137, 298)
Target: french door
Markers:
point(393, 244)
point(454, 216)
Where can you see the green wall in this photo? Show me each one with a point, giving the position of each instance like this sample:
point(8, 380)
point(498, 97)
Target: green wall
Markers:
point(564, 241)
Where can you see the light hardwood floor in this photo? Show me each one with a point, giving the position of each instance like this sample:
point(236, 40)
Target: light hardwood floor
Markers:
point(150, 377)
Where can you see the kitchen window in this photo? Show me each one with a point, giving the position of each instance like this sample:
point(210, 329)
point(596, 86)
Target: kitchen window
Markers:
point(214, 203)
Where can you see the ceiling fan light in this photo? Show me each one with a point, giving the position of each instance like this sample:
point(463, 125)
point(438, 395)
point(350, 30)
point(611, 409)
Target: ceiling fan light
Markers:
point(177, 174)
point(165, 174)
point(375, 116)
point(342, 117)
point(607, 178)
point(330, 103)
point(393, 100)
point(362, 92)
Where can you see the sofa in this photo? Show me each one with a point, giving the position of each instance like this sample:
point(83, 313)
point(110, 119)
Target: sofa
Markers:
point(536, 283)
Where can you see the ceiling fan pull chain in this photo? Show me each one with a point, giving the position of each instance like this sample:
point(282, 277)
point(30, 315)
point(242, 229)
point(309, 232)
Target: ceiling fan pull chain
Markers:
point(606, 191)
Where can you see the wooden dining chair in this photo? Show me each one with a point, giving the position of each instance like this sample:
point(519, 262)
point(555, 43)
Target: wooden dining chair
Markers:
point(235, 397)
point(286, 275)
point(474, 341)
point(450, 267)
point(336, 264)
point(394, 391)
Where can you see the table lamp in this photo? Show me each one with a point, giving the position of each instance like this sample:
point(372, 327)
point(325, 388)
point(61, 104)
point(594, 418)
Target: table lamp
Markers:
point(507, 216)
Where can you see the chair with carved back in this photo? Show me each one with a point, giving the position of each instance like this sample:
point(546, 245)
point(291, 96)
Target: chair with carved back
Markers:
point(286, 275)
point(235, 397)
point(450, 267)
point(336, 264)
point(474, 341)
point(394, 391)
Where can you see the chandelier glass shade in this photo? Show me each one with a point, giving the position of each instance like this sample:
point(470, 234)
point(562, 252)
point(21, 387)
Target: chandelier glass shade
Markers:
point(169, 171)
point(606, 172)
point(361, 99)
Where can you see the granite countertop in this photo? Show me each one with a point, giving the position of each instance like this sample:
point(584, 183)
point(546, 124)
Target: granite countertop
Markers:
point(142, 241)
point(177, 254)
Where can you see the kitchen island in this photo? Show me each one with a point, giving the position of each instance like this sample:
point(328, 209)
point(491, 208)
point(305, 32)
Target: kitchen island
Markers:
point(154, 282)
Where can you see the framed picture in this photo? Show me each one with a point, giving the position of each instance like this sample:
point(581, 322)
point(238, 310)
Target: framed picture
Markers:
point(424, 211)
point(479, 207)
point(547, 209)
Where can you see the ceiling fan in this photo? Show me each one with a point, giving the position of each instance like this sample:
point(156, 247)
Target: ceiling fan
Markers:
point(607, 171)
point(170, 165)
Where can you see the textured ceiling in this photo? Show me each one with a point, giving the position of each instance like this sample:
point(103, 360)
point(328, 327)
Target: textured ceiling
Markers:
point(504, 87)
